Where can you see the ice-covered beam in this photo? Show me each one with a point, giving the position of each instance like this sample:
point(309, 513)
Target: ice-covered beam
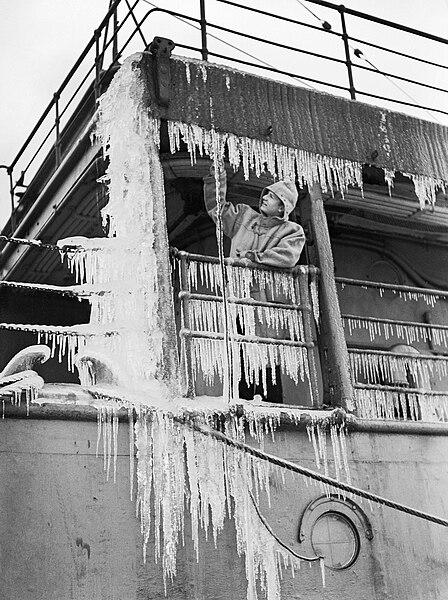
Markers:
point(225, 100)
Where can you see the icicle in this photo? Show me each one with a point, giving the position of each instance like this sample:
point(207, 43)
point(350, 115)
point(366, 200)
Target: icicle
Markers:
point(255, 154)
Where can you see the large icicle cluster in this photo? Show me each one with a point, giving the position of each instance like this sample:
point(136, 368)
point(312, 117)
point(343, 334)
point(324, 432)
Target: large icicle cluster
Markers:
point(393, 404)
point(126, 276)
point(124, 265)
point(270, 320)
point(259, 155)
point(387, 329)
point(178, 465)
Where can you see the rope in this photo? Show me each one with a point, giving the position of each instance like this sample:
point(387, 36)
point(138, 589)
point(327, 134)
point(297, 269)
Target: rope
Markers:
point(42, 288)
point(37, 244)
point(54, 330)
point(279, 462)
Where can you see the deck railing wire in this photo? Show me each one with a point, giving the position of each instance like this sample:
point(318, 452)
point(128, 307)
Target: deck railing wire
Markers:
point(116, 32)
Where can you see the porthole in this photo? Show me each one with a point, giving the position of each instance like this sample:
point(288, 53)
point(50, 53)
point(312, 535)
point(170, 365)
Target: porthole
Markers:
point(334, 528)
point(336, 538)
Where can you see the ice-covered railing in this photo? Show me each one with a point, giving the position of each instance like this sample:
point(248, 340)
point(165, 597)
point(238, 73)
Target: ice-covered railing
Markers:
point(271, 322)
point(400, 382)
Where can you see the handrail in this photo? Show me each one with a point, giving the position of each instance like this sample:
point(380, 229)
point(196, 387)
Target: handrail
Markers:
point(111, 26)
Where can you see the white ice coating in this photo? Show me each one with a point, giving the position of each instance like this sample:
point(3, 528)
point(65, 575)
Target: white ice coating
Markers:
point(176, 464)
point(410, 333)
point(396, 404)
point(383, 367)
point(259, 155)
point(269, 321)
point(286, 163)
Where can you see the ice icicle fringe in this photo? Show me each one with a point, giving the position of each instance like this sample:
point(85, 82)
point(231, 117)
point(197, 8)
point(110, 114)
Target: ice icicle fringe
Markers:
point(426, 188)
point(126, 261)
point(108, 431)
point(397, 404)
point(317, 434)
point(177, 464)
point(410, 333)
point(259, 155)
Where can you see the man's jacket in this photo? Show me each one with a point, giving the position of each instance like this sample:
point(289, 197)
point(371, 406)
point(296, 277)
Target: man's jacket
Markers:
point(275, 241)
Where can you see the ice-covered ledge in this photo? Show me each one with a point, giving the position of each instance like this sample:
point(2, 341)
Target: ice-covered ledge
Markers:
point(291, 118)
point(72, 402)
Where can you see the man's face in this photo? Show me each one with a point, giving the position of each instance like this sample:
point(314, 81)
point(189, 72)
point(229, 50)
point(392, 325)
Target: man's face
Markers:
point(271, 205)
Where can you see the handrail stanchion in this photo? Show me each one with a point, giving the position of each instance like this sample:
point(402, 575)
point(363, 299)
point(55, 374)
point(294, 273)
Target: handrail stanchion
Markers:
point(11, 193)
point(98, 62)
point(57, 145)
point(204, 50)
point(348, 61)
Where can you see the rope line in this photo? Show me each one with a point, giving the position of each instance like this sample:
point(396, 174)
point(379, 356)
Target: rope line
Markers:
point(37, 244)
point(69, 331)
point(279, 462)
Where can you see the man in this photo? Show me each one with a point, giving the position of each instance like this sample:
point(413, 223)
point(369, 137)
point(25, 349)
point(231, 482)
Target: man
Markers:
point(266, 237)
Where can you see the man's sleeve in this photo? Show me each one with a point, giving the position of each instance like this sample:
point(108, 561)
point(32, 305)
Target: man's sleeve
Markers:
point(229, 212)
point(287, 252)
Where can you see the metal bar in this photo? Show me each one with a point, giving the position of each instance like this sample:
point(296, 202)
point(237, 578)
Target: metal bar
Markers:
point(392, 322)
point(348, 61)
point(301, 284)
point(131, 12)
point(386, 74)
point(249, 339)
point(404, 390)
point(63, 84)
point(443, 112)
point(276, 44)
point(273, 70)
point(368, 17)
point(98, 60)
point(57, 147)
point(279, 17)
point(233, 262)
point(115, 36)
point(391, 286)
point(204, 51)
point(243, 301)
point(11, 193)
point(414, 357)
point(187, 372)
point(422, 60)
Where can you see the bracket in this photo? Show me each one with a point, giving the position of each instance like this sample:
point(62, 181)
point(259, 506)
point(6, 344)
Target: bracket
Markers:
point(161, 49)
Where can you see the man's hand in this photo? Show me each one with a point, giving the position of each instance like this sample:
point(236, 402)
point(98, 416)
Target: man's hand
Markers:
point(250, 255)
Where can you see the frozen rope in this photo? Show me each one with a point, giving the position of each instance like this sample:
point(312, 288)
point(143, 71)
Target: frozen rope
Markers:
point(72, 291)
point(37, 244)
point(284, 464)
point(69, 331)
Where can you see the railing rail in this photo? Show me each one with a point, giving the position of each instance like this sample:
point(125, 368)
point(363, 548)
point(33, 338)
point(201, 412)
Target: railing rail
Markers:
point(118, 29)
point(395, 377)
point(269, 326)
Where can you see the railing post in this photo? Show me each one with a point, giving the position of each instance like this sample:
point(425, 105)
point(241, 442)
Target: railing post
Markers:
point(204, 50)
point(98, 62)
point(348, 61)
point(335, 358)
point(57, 146)
point(115, 44)
point(11, 193)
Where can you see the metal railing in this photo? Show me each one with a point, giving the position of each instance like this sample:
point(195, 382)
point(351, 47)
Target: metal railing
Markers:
point(126, 27)
point(392, 378)
point(265, 330)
